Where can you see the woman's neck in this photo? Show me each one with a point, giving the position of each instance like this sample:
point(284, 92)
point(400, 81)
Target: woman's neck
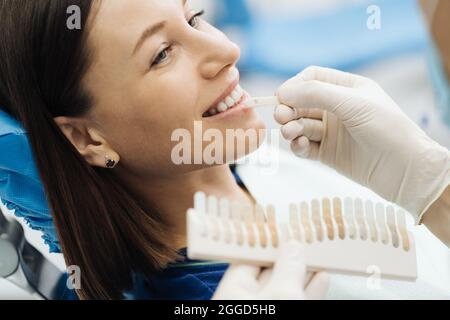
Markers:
point(173, 196)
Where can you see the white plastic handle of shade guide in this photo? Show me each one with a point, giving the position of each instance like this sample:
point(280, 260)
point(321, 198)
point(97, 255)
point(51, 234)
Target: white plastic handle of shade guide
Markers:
point(262, 102)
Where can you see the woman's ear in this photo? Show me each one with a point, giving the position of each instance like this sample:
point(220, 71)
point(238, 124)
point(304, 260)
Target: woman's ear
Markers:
point(88, 141)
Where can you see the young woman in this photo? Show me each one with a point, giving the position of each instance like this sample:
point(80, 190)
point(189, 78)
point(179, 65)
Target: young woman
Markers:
point(100, 104)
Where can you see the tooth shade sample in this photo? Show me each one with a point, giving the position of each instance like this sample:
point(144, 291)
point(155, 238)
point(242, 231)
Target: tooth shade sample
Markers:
point(261, 222)
point(249, 223)
point(237, 222)
point(294, 222)
point(272, 224)
point(200, 208)
point(224, 212)
point(359, 214)
point(326, 207)
point(381, 223)
point(401, 223)
point(315, 212)
point(337, 206)
point(370, 218)
point(304, 207)
point(213, 215)
point(348, 212)
point(390, 216)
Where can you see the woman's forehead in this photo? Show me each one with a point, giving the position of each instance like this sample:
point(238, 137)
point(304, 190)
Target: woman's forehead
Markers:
point(117, 11)
point(119, 21)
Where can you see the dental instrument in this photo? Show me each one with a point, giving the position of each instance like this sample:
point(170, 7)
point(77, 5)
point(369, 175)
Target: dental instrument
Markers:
point(261, 102)
point(348, 236)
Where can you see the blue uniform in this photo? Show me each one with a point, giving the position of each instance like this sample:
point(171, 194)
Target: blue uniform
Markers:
point(184, 280)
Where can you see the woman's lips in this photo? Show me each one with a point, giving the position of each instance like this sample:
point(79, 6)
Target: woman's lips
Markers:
point(236, 95)
point(237, 110)
point(231, 88)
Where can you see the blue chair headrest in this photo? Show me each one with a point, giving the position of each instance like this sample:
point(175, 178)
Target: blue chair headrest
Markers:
point(21, 188)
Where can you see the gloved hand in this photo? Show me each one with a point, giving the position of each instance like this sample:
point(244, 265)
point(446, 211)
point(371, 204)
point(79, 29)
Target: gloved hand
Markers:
point(349, 123)
point(285, 281)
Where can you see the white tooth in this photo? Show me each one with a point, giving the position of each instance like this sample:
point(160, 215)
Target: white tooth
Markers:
point(213, 112)
point(235, 95)
point(230, 102)
point(222, 107)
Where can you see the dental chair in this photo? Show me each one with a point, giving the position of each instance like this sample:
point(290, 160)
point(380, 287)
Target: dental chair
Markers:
point(26, 267)
point(22, 192)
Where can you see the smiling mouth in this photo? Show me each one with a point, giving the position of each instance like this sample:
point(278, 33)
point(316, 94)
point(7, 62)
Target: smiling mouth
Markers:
point(234, 99)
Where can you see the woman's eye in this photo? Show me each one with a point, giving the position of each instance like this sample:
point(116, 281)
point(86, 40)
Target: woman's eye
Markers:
point(162, 56)
point(195, 20)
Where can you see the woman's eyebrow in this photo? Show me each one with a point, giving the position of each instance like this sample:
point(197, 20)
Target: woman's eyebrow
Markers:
point(150, 31)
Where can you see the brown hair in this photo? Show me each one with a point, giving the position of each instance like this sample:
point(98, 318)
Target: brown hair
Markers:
point(101, 227)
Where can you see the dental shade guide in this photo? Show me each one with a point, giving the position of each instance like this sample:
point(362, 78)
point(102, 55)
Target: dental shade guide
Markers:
point(348, 236)
point(257, 102)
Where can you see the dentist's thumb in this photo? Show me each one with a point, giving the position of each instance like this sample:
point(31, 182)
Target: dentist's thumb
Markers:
point(289, 278)
point(313, 94)
point(289, 269)
point(318, 88)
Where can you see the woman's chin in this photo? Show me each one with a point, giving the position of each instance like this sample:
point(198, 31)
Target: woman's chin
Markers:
point(240, 134)
point(252, 122)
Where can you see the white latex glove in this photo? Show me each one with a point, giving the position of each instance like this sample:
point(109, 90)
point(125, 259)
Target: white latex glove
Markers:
point(363, 134)
point(285, 281)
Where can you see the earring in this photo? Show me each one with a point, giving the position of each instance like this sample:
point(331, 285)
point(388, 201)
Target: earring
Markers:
point(109, 162)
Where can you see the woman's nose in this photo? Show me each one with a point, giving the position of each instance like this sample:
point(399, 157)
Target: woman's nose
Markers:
point(217, 54)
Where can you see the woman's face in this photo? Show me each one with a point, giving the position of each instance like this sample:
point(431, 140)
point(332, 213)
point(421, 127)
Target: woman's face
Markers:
point(157, 68)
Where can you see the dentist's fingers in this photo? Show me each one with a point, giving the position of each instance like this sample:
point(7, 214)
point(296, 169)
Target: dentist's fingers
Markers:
point(314, 94)
point(240, 273)
point(284, 114)
point(331, 76)
point(321, 88)
point(304, 148)
point(265, 276)
point(239, 282)
point(312, 129)
point(318, 286)
point(289, 272)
